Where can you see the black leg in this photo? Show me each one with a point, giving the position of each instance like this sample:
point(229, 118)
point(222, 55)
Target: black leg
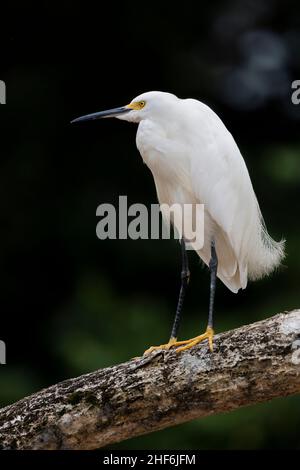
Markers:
point(185, 276)
point(213, 266)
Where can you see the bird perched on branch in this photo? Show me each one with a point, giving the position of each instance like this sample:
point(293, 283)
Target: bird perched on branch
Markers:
point(195, 160)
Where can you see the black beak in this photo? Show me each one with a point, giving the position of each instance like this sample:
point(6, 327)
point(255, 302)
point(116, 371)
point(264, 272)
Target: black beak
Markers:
point(103, 114)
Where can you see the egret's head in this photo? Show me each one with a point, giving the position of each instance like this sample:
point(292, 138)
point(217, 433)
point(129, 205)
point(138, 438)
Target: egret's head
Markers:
point(146, 105)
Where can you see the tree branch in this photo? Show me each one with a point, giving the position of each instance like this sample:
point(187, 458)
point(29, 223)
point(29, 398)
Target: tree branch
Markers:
point(251, 364)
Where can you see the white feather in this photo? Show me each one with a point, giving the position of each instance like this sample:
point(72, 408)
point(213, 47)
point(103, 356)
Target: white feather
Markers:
point(194, 159)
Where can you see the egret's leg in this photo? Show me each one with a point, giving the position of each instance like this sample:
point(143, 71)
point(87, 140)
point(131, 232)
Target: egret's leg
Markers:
point(185, 276)
point(213, 267)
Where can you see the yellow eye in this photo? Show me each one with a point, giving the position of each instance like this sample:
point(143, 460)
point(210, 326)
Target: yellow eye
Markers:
point(136, 105)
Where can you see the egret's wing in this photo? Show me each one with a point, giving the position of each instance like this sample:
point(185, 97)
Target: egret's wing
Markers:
point(221, 182)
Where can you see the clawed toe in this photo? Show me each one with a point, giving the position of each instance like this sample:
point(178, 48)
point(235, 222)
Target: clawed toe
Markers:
point(209, 334)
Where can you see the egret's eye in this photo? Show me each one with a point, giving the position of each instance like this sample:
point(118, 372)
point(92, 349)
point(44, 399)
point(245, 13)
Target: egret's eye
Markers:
point(137, 105)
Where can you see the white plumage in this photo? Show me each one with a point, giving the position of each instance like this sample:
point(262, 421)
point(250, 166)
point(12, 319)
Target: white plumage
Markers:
point(194, 159)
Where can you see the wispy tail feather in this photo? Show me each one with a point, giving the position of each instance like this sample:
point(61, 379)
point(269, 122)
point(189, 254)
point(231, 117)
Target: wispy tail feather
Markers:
point(268, 253)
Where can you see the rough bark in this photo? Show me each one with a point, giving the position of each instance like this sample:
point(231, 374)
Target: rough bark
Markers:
point(251, 364)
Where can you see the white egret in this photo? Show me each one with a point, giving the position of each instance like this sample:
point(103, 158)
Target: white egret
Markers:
point(194, 159)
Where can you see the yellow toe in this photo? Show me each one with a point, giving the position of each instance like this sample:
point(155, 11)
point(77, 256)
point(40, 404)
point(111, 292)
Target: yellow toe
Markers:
point(172, 342)
point(209, 334)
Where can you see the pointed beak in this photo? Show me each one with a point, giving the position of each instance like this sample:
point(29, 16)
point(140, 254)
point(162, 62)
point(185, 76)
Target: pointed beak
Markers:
point(103, 114)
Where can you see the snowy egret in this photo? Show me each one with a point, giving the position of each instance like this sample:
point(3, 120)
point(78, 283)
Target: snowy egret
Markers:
point(194, 159)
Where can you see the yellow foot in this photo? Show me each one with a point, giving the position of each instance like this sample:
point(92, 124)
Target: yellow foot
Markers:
point(172, 342)
point(209, 334)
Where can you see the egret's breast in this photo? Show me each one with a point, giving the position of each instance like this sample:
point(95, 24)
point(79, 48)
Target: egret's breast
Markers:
point(168, 161)
point(149, 139)
point(161, 151)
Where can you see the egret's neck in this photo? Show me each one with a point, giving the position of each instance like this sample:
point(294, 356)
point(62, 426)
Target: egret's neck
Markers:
point(149, 136)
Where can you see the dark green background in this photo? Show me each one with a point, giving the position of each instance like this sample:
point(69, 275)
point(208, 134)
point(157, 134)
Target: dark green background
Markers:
point(71, 303)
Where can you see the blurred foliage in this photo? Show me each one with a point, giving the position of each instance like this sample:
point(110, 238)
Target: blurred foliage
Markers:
point(70, 303)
